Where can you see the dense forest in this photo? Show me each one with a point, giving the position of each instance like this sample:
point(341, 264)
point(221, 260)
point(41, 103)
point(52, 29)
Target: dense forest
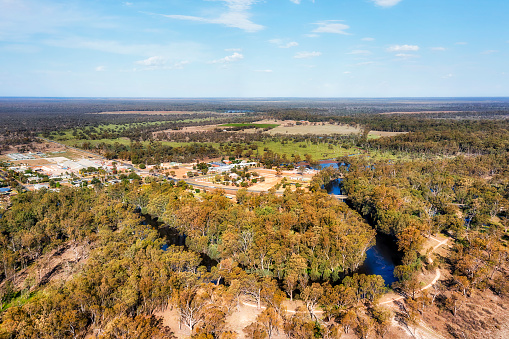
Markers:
point(124, 270)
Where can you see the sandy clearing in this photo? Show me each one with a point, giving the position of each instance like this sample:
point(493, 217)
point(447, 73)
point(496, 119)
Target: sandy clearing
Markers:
point(242, 317)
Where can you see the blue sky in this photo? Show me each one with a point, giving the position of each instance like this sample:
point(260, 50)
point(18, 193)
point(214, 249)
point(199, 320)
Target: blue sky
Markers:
point(250, 48)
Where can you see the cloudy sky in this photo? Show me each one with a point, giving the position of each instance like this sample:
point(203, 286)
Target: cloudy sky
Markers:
point(254, 48)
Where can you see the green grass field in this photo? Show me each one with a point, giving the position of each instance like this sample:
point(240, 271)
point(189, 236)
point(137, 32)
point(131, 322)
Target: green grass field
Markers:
point(318, 151)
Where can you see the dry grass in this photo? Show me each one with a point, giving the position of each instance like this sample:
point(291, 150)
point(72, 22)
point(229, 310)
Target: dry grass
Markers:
point(379, 134)
point(316, 128)
point(189, 129)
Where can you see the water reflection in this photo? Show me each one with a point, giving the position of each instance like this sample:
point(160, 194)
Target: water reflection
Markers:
point(381, 258)
point(335, 187)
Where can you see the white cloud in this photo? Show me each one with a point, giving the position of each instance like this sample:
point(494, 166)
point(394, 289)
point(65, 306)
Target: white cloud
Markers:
point(281, 44)
point(128, 4)
point(386, 3)
point(295, 1)
point(360, 52)
point(368, 39)
point(264, 70)
point(406, 56)
point(438, 49)
point(403, 48)
point(227, 59)
point(365, 63)
point(290, 44)
point(154, 61)
point(21, 20)
point(176, 51)
point(347, 72)
point(21, 48)
point(233, 50)
point(448, 76)
point(311, 35)
point(490, 51)
point(159, 62)
point(305, 55)
point(100, 69)
point(331, 26)
point(180, 64)
point(237, 16)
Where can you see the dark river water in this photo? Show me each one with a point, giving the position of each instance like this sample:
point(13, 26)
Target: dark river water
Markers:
point(335, 187)
point(381, 258)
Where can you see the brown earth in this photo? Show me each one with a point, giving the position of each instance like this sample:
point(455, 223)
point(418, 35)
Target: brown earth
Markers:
point(483, 315)
point(59, 264)
point(45, 147)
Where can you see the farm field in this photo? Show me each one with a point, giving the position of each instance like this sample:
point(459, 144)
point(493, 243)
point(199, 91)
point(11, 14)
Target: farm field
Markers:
point(291, 127)
point(251, 125)
point(379, 134)
point(317, 151)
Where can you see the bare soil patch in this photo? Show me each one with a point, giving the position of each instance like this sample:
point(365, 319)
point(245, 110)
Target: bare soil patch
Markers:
point(31, 162)
point(59, 264)
point(237, 321)
point(483, 315)
point(34, 147)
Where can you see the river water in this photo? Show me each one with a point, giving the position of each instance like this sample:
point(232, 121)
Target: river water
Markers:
point(381, 259)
